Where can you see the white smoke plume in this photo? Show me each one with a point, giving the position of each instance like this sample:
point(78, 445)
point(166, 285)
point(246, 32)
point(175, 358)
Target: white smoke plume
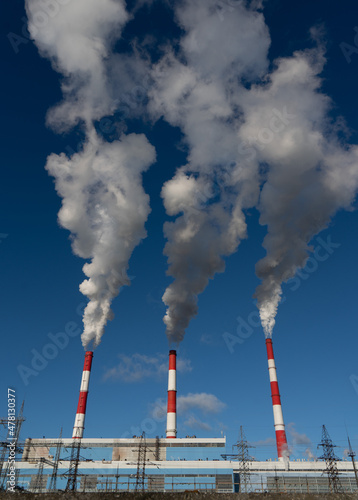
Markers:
point(310, 455)
point(103, 202)
point(105, 208)
point(197, 89)
point(298, 438)
point(138, 367)
point(245, 128)
point(311, 173)
point(77, 37)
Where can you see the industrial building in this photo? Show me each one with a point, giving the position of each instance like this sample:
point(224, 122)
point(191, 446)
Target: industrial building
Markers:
point(171, 463)
point(167, 465)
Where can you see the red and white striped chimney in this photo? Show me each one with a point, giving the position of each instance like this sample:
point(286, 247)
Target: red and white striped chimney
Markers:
point(172, 396)
point(82, 400)
point(281, 441)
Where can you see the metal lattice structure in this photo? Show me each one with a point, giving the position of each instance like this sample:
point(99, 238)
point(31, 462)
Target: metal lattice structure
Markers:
point(142, 452)
point(56, 460)
point(18, 423)
point(41, 479)
point(331, 461)
point(38, 485)
point(276, 479)
point(244, 458)
point(72, 472)
point(352, 454)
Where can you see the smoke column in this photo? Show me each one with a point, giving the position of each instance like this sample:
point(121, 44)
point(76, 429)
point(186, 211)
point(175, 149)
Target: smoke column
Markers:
point(103, 203)
point(270, 143)
point(254, 138)
point(311, 174)
point(198, 90)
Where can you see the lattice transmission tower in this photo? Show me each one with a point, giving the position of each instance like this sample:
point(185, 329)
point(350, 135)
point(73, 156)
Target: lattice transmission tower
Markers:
point(53, 482)
point(72, 472)
point(244, 458)
point(142, 454)
point(331, 462)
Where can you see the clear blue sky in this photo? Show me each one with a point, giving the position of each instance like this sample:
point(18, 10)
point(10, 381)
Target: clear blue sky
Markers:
point(315, 338)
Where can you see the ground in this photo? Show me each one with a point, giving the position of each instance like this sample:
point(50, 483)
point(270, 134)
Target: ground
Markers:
point(174, 496)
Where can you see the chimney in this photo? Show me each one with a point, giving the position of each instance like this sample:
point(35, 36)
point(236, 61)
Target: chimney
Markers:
point(82, 401)
point(172, 396)
point(281, 441)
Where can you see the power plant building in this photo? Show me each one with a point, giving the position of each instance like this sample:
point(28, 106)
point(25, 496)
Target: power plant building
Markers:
point(168, 465)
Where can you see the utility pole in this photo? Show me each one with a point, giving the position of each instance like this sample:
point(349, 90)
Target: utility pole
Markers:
point(117, 476)
point(331, 462)
point(157, 449)
point(352, 455)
